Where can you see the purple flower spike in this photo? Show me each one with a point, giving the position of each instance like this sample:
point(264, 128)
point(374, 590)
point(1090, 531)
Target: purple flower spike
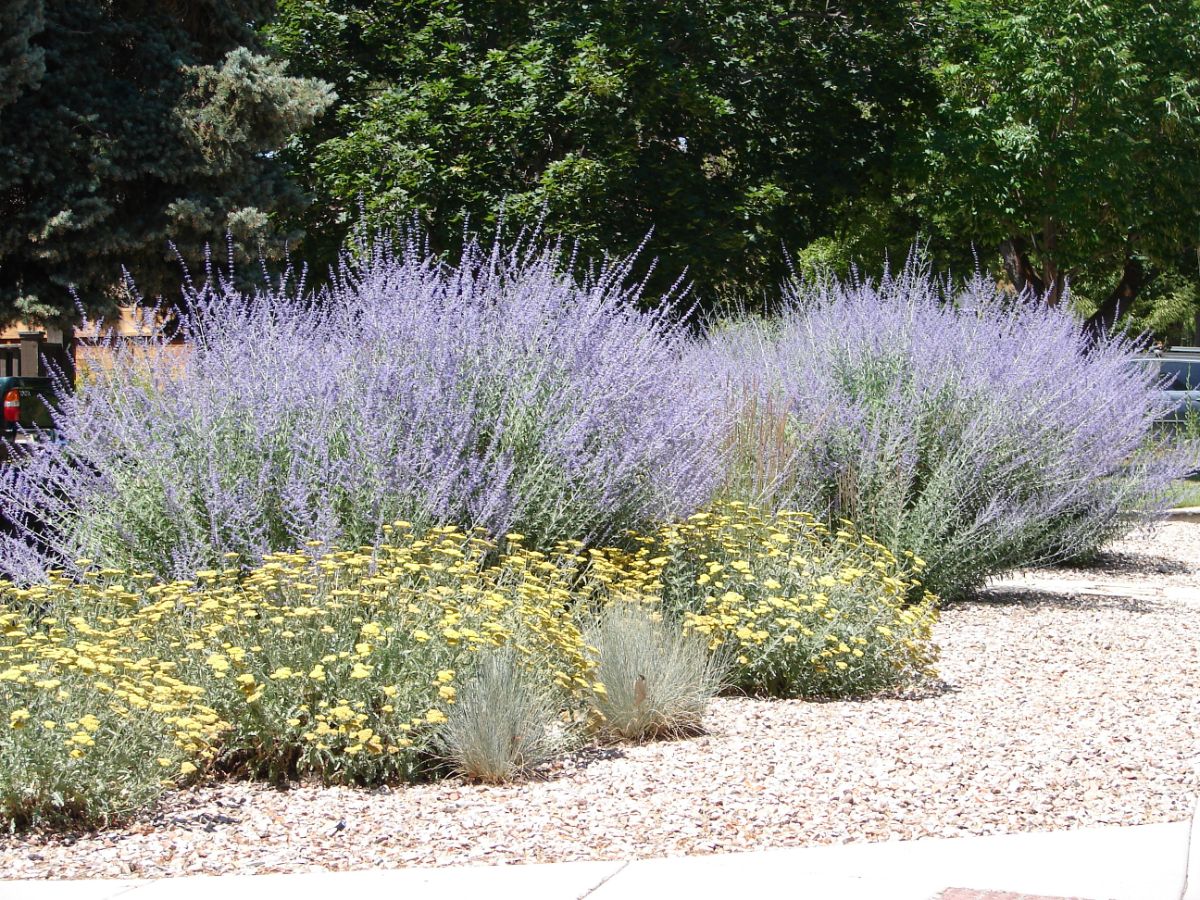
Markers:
point(499, 393)
point(981, 434)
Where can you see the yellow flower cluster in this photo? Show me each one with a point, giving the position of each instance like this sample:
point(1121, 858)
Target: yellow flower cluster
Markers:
point(342, 664)
point(45, 664)
point(803, 610)
point(335, 664)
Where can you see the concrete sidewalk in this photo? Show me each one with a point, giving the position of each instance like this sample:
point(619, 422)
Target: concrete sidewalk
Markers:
point(1147, 862)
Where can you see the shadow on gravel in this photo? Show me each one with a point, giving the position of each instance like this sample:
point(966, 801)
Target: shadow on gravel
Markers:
point(1030, 598)
point(1111, 562)
point(926, 690)
point(577, 761)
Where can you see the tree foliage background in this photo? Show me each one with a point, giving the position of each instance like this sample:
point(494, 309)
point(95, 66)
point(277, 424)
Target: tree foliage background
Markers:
point(131, 129)
point(732, 128)
point(1064, 148)
point(1052, 142)
point(1067, 137)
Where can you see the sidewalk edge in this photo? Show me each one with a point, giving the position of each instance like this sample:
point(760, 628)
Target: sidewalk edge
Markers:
point(1191, 866)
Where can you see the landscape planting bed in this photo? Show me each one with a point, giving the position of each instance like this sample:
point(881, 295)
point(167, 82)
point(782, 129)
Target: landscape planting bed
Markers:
point(1059, 709)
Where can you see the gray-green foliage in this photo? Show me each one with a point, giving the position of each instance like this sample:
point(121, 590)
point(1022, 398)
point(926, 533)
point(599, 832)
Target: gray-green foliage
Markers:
point(981, 435)
point(129, 132)
point(77, 770)
point(657, 680)
point(504, 722)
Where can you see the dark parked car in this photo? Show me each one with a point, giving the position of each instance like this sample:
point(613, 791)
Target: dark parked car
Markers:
point(25, 421)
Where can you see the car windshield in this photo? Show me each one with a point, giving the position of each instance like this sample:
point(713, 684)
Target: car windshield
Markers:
point(1180, 374)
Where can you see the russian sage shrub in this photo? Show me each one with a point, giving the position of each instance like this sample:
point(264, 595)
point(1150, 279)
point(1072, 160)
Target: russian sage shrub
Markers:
point(498, 393)
point(981, 434)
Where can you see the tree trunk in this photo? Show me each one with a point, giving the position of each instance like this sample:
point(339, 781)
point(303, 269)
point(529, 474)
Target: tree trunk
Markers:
point(1101, 322)
point(1053, 278)
point(1019, 269)
point(1056, 283)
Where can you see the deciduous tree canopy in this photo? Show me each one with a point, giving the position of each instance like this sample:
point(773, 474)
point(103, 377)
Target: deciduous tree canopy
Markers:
point(1068, 136)
point(730, 127)
point(1058, 140)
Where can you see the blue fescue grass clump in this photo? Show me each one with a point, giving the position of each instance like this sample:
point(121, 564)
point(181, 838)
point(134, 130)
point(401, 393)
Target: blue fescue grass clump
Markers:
point(980, 433)
point(498, 393)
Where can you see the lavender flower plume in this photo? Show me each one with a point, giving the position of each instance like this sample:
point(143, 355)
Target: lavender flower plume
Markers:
point(981, 434)
point(499, 392)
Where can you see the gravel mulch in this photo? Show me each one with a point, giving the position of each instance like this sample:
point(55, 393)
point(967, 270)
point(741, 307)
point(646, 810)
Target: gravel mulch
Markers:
point(1059, 709)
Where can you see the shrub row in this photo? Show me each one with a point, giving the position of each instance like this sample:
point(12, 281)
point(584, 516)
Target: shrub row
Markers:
point(502, 394)
point(982, 434)
point(498, 394)
point(415, 522)
point(433, 648)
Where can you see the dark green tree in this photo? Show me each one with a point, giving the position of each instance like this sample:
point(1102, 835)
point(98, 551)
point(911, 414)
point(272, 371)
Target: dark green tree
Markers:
point(22, 63)
point(729, 127)
point(131, 131)
point(1067, 139)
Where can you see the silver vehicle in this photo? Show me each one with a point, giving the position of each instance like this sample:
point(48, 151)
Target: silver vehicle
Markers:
point(1179, 370)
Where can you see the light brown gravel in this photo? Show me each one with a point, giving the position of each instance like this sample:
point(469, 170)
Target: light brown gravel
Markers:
point(1060, 709)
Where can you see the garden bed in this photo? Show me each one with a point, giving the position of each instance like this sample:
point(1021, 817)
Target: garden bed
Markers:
point(1057, 709)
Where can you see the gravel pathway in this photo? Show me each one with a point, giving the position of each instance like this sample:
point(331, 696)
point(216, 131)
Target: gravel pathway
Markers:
point(1071, 698)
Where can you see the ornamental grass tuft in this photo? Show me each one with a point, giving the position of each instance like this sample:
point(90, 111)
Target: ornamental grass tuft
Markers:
point(654, 679)
point(505, 722)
